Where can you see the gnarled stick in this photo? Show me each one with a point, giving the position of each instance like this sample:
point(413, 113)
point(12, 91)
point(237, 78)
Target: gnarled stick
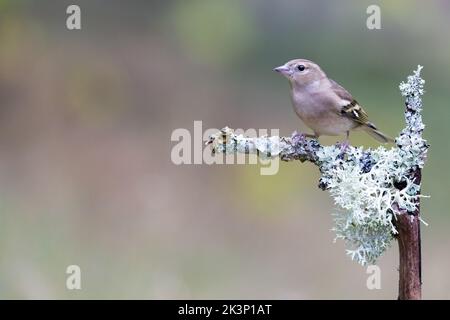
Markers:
point(377, 191)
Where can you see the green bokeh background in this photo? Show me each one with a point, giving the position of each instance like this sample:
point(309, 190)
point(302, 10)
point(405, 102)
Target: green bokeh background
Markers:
point(86, 118)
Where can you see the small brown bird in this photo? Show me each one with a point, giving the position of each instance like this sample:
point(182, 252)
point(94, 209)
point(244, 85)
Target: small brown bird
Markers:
point(323, 105)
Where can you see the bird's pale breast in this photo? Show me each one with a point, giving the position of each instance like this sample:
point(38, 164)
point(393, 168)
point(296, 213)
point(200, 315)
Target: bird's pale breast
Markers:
point(320, 111)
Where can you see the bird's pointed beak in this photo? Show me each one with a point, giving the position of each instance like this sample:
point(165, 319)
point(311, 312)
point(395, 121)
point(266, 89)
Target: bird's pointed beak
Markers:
point(284, 70)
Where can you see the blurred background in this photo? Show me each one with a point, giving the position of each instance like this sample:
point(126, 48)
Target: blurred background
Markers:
point(85, 124)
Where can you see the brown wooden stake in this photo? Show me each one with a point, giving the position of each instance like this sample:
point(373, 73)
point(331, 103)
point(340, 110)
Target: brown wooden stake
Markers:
point(410, 270)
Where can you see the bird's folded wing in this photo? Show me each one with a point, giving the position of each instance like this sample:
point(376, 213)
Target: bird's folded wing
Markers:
point(355, 112)
point(351, 110)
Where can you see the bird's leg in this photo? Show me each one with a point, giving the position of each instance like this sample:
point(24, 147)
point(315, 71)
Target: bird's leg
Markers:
point(297, 137)
point(346, 142)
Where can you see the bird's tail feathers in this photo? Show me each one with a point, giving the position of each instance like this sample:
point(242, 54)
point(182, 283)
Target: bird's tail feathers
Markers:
point(377, 134)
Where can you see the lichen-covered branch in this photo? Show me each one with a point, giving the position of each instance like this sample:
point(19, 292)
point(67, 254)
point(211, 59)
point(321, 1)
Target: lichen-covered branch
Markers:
point(287, 148)
point(372, 188)
point(412, 145)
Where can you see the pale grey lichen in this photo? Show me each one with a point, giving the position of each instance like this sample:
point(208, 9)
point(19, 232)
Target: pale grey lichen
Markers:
point(368, 200)
point(369, 187)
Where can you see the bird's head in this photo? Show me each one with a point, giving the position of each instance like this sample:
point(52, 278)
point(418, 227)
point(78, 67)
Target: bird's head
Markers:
point(301, 72)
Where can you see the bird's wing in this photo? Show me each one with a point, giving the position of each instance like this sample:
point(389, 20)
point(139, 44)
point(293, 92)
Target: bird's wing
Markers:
point(340, 91)
point(352, 109)
point(355, 112)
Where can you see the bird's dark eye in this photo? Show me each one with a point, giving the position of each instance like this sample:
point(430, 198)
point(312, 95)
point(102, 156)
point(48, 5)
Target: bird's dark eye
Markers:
point(300, 67)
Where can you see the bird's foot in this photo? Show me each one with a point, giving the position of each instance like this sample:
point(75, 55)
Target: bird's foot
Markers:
point(297, 137)
point(344, 146)
point(300, 136)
